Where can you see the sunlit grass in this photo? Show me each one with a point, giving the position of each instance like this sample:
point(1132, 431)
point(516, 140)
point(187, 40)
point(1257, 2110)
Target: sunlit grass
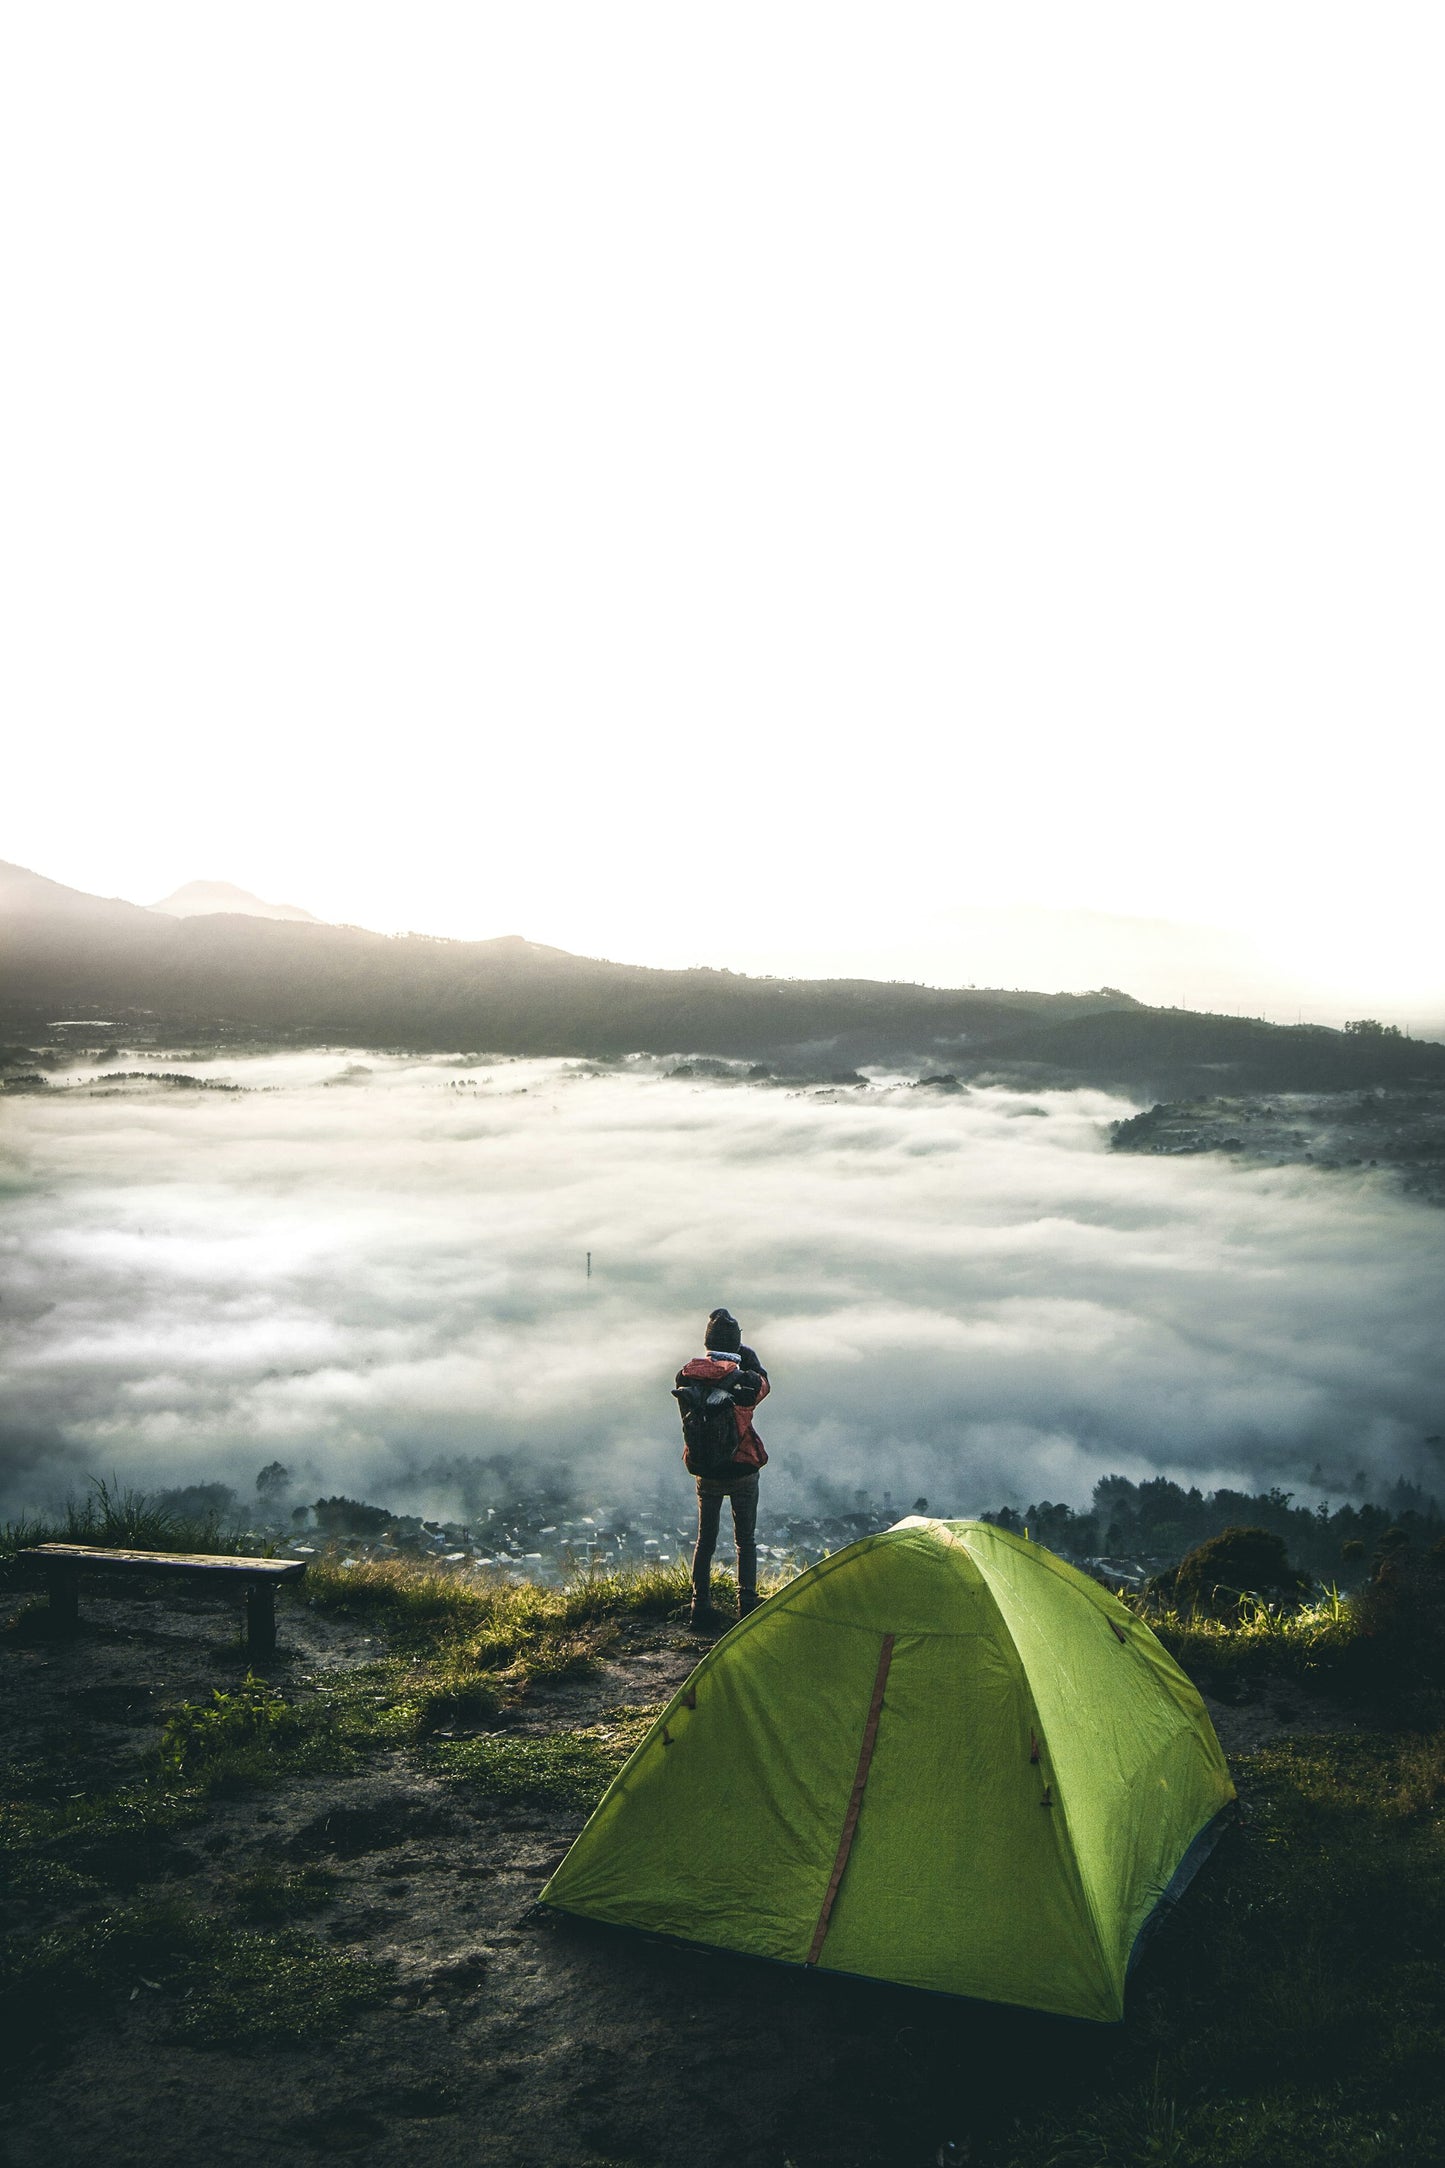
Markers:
point(1315, 1642)
point(464, 1646)
point(418, 1604)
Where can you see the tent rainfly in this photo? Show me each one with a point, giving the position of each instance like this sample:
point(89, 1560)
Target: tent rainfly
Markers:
point(941, 1757)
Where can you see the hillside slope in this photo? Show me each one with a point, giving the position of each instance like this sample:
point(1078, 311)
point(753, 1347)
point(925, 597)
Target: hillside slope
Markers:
point(66, 953)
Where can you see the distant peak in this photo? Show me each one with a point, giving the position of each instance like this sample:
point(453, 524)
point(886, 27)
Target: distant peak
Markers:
point(198, 898)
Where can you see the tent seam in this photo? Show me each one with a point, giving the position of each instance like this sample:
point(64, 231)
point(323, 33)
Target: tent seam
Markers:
point(1055, 1802)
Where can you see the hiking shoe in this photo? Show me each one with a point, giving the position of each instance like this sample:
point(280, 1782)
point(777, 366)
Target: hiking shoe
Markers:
point(702, 1619)
point(748, 1600)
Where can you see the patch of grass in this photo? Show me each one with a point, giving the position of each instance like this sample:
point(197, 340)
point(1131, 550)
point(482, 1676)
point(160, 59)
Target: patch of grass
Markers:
point(466, 1647)
point(30, 1877)
point(134, 1814)
point(425, 1607)
point(263, 1991)
point(270, 1895)
point(412, 1605)
point(400, 1701)
point(1145, 2127)
point(243, 1739)
point(228, 1987)
point(199, 1734)
point(553, 1769)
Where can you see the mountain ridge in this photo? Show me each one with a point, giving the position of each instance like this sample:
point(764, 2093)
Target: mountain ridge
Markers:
point(231, 976)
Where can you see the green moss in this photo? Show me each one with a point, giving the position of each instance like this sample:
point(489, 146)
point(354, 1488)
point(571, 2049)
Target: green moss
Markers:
point(554, 1769)
point(261, 1991)
point(231, 1988)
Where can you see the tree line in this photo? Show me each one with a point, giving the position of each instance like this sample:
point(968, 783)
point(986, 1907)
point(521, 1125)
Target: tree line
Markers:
point(1159, 1519)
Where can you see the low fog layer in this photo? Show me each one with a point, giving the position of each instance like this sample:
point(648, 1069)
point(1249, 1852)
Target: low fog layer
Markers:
point(374, 1271)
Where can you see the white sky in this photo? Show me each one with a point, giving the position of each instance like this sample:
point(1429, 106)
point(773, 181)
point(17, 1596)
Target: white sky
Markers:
point(748, 485)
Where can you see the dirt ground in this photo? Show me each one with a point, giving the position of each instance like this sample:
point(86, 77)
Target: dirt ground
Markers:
point(512, 2036)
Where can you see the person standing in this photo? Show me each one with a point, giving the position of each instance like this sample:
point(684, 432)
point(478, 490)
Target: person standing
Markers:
point(727, 1365)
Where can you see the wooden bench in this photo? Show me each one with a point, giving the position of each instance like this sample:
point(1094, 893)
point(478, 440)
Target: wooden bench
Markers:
point(64, 1563)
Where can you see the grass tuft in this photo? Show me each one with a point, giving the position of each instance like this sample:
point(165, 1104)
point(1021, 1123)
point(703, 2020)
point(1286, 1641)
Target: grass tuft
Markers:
point(552, 1769)
point(1317, 1643)
point(422, 1606)
point(467, 1647)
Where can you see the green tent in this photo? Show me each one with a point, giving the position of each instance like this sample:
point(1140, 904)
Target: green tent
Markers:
point(941, 1757)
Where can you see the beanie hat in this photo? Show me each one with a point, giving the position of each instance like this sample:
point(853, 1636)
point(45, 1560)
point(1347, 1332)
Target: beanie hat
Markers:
point(723, 1335)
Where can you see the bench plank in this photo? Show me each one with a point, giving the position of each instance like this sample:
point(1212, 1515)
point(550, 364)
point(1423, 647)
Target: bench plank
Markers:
point(254, 1569)
point(65, 1562)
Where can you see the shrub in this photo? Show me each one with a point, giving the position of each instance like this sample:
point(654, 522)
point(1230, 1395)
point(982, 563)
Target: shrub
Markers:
point(341, 1516)
point(1218, 1578)
point(1400, 1613)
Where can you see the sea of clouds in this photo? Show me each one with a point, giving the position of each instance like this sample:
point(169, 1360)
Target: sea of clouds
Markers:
point(374, 1270)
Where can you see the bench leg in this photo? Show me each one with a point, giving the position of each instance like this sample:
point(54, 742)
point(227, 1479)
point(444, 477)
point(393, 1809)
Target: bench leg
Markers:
point(62, 1584)
point(260, 1619)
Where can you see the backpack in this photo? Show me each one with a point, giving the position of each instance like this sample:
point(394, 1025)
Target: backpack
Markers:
point(709, 1429)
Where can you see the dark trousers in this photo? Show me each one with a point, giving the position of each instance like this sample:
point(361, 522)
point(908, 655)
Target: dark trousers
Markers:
point(710, 1496)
